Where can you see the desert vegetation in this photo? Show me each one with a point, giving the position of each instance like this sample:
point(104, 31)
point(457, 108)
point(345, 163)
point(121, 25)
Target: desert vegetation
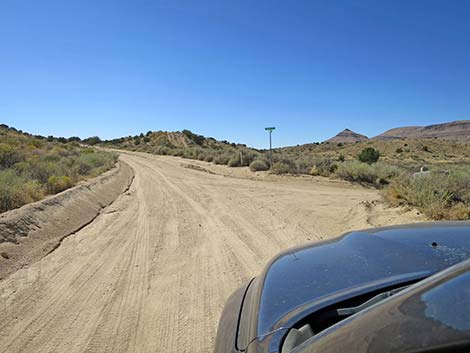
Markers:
point(440, 194)
point(388, 165)
point(32, 167)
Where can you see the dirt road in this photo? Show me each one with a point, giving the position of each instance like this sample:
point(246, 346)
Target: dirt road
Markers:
point(151, 274)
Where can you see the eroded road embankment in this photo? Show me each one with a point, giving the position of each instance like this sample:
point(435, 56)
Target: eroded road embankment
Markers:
point(33, 231)
point(152, 272)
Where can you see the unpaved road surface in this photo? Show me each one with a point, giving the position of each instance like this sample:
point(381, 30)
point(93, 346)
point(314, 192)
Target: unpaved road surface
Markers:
point(151, 274)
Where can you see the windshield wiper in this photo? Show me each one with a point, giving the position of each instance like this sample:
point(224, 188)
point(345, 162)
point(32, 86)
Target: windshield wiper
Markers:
point(374, 300)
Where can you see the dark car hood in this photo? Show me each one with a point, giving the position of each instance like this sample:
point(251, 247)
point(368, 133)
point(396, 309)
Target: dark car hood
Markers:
point(302, 280)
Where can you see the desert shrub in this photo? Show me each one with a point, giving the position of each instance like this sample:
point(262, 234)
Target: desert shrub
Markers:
point(399, 150)
point(178, 152)
point(16, 191)
point(284, 166)
point(378, 174)
point(96, 162)
point(57, 184)
point(324, 167)
point(92, 140)
point(32, 166)
point(221, 159)
point(41, 170)
point(161, 150)
point(198, 139)
point(209, 158)
point(438, 195)
point(247, 158)
point(258, 165)
point(74, 139)
point(369, 155)
point(8, 156)
point(341, 157)
point(303, 165)
point(190, 153)
point(87, 150)
point(234, 161)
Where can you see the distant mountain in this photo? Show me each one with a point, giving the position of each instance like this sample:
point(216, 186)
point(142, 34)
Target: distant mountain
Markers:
point(455, 130)
point(346, 136)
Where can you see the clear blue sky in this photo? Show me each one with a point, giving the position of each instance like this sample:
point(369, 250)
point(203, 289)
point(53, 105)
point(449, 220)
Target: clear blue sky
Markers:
point(227, 68)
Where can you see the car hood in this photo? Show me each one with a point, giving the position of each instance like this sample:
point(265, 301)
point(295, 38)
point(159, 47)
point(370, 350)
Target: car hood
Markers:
point(304, 279)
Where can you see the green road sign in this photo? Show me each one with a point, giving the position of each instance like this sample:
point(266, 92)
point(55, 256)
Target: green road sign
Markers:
point(269, 128)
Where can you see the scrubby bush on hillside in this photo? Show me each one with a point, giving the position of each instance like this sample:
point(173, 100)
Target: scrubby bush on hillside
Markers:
point(378, 174)
point(284, 166)
point(57, 184)
point(31, 167)
point(161, 150)
point(369, 155)
point(209, 158)
point(324, 167)
point(303, 164)
point(190, 153)
point(94, 163)
point(16, 191)
point(92, 140)
point(198, 139)
point(41, 170)
point(177, 152)
point(234, 161)
point(439, 195)
point(221, 159)
point(247, 157)
point(8, 156)
point(258, 165)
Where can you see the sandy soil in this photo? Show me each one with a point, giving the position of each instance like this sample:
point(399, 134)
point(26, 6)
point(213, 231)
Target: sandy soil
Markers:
point(152, 272)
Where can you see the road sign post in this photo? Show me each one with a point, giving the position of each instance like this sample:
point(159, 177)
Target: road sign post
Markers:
point(270, 130)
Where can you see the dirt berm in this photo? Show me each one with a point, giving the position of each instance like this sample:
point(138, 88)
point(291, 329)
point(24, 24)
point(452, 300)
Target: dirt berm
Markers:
point(31, 232)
